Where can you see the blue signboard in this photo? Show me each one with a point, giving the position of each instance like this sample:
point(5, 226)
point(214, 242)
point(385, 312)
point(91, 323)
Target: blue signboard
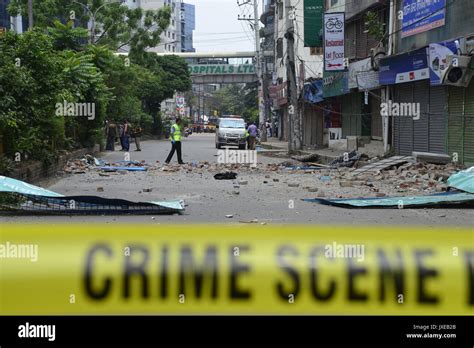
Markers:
point(422, 15)
point(406, 67)
point(437, 59)
point(313, 91)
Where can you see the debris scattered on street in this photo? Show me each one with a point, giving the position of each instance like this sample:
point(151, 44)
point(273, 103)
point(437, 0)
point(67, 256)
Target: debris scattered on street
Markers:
point(348, 160)
point(461, 193)
point(225, 176)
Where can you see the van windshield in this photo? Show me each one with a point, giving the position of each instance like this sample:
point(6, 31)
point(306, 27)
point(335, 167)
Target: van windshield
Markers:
point(232, 124)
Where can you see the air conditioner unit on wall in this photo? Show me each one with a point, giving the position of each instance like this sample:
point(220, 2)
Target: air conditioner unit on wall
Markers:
point(458, 71)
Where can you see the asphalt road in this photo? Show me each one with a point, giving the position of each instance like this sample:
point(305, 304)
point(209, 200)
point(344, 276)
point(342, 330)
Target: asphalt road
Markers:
point(266, 197)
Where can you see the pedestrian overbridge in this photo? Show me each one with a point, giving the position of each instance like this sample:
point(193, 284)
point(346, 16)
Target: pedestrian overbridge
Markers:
point(222, 73)
point(214, 67)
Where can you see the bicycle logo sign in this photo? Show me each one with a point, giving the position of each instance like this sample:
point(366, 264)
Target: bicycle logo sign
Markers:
point(334, 22)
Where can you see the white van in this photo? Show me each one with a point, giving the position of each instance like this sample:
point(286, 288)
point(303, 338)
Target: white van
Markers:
point(231, 132)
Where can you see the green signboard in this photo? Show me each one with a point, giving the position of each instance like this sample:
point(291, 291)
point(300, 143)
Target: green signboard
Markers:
point(221, 69)
point(313, 23)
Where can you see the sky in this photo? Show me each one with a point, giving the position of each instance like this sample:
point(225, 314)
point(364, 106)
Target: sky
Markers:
point(217, 26)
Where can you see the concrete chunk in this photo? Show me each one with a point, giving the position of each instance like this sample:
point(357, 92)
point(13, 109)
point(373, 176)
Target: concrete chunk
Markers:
point(436, 158)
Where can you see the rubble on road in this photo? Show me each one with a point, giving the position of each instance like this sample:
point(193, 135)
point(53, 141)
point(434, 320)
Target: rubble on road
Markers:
point(348, 159)
point(459, 191)
point(89, 162)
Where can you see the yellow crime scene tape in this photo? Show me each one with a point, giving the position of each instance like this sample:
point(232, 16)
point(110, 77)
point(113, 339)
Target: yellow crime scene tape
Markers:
point(235, 269)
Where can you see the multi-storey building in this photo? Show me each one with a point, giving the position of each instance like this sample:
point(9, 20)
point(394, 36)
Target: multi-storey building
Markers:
point(288, 15)
point(171, 37)
point(188, 25)
point(18, 24)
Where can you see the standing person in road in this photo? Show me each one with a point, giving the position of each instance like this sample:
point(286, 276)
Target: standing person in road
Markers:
point(121, 136)
point(137, 133)
point(247, 137)
point(127, 129)
point(175, 137)
point(111, 132)
point(253, 132)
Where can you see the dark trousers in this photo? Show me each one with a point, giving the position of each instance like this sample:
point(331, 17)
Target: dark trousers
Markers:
point(110, 143)
point(126, 143)
point(175, 147)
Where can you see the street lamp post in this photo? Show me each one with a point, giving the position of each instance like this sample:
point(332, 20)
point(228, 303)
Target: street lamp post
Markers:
point(93, 18)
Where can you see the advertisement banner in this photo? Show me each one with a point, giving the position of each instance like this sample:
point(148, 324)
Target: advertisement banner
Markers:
point(437, 59)
point(422, 15)
point(334, 41)
point(335, 83)
point(362, 75)
point(406, 67)
point(313, 23)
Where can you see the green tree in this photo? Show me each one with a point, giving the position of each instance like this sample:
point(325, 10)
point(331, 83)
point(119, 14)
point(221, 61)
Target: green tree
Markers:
point(113, 23)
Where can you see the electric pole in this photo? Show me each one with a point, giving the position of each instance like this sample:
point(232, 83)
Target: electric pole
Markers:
point(294, 138)
point(259, 62)
point(258, 65)
point(30, 14)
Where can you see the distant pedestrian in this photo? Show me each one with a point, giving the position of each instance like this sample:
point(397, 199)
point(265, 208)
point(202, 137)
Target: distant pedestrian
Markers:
point(175, 137)
point(253, 133)
point(122, 137)
point(137, 133)
point(247, 138)
point(111, 132)
point(127, 129)
point(269, 129)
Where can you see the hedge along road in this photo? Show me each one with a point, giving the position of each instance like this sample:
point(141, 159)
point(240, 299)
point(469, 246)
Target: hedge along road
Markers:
point(261, 199)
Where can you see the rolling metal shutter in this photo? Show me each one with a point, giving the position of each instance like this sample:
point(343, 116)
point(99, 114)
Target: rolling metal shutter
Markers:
point(468, 135)
point(404, 125)
point(455, 121)
point(421, 129)
point(351, 114)
point(437, 120)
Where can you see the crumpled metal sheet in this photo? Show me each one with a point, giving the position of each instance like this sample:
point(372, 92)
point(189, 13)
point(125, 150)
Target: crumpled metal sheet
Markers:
point(20, 197)
point(437, 200)
point(463, 181)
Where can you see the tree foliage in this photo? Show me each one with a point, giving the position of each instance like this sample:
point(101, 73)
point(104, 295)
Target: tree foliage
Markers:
point(237, 100)
point(113, 23)
point(60, 61)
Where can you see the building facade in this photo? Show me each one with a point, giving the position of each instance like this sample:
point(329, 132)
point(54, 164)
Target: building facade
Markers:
point(188, 25)
point(171, 37)
point(18, 24)
point(288, 16)
point(396, 52)
point(446, 122)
